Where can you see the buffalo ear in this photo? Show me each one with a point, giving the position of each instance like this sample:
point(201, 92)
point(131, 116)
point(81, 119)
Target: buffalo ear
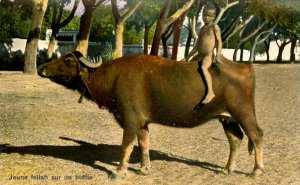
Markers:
point(69, 57)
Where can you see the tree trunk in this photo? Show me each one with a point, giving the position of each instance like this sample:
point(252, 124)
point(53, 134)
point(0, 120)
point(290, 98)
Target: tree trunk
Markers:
point(119, 26)
point(267, 45)
point(188, 43)
point(84, 30)
point(280, 51)
point(118, 52)
point(164, 38)
point(39, 10)
point(160, 28)
point(242, 52)
point(164, 22)
point(236, 50)
point(57, 24)
point(165, 46)
point(156, 39)
point(51, 47)
point(52, 43)
point(293, 47)
point(146, 39)
point(281, 48)
point(177, 27)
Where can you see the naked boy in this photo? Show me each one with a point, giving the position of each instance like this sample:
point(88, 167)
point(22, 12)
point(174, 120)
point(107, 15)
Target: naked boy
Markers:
point(209, 37)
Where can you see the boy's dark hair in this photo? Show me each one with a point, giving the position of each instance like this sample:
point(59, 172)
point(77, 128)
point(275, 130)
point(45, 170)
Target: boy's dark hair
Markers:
point(210, 6)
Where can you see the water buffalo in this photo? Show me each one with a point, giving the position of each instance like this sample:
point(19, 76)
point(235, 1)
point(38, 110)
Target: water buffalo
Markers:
point(141, 89)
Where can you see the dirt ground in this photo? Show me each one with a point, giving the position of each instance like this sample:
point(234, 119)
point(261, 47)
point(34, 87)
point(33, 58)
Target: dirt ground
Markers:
point(52, 139)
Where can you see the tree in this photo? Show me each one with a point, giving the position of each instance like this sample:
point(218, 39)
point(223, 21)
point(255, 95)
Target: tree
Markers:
point(119, 26)
point(144, 18)
point(284, 15)
point(223, 7)
point(292, 50)
point(57, 22)
point(39, 10)
point(260, 38)
point(163, 22)
point(176, 35)
point(14, 19)
point(281, 47)
point(238, 25)
point(164, 39)
point(85, 24)
point(102, 29)
point(244, 36)
point(282, 38)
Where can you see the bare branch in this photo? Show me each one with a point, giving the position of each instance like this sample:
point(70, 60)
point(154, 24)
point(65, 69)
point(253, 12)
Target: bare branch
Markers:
point(193, 29)
point(223, 9)
point(71, 15)
point(61, 9)
point(54, 14)
point(179, 12)
point(267, 32)
point(99, 3)
point(130, 12)
point(115, 10)
point(240, 26)
point(259, 40)
point(254, 32)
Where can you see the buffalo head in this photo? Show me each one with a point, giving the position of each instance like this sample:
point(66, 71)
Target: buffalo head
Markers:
point(67, 70)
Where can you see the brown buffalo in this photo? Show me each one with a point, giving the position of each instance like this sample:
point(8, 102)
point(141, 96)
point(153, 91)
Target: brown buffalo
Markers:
point(142, 89)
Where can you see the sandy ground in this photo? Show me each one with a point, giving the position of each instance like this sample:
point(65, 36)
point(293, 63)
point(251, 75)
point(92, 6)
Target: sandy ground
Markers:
point(54, 140)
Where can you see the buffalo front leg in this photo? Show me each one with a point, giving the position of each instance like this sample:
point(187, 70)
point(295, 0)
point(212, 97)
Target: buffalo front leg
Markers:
point(235, 137)
point(129, 136)
point(144, 144)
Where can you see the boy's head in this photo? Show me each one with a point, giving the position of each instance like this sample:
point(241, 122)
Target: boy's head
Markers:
point(209, 13)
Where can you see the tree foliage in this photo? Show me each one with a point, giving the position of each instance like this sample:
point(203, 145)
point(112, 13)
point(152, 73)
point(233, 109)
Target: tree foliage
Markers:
point(14, 19)
point(102, 29)
point(274, 11)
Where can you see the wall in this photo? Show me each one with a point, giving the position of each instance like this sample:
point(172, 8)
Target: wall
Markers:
point(95, 49)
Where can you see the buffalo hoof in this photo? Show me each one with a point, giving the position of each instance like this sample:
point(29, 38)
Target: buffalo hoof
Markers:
point(256, 172)
point(143, 171)
point(117, 175)
point(226, 171)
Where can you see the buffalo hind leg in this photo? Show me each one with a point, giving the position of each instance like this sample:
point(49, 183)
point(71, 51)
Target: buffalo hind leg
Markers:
point(129, 136)
point(144, 144)
point(255, 135)
point(235, 137)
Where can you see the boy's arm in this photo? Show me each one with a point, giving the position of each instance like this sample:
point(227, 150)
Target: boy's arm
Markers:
point(218, 42)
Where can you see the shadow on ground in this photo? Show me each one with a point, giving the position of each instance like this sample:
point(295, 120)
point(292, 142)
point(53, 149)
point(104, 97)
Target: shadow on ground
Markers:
point(87, 154)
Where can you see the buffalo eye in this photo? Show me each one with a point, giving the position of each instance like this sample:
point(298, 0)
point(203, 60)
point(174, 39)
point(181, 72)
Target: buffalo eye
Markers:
point(68, 60)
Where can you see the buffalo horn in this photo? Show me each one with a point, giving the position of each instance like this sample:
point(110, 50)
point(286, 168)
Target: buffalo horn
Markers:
point(91, 64)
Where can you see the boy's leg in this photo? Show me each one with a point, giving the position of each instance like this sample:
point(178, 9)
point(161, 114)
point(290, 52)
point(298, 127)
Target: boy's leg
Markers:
point(207, 61)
